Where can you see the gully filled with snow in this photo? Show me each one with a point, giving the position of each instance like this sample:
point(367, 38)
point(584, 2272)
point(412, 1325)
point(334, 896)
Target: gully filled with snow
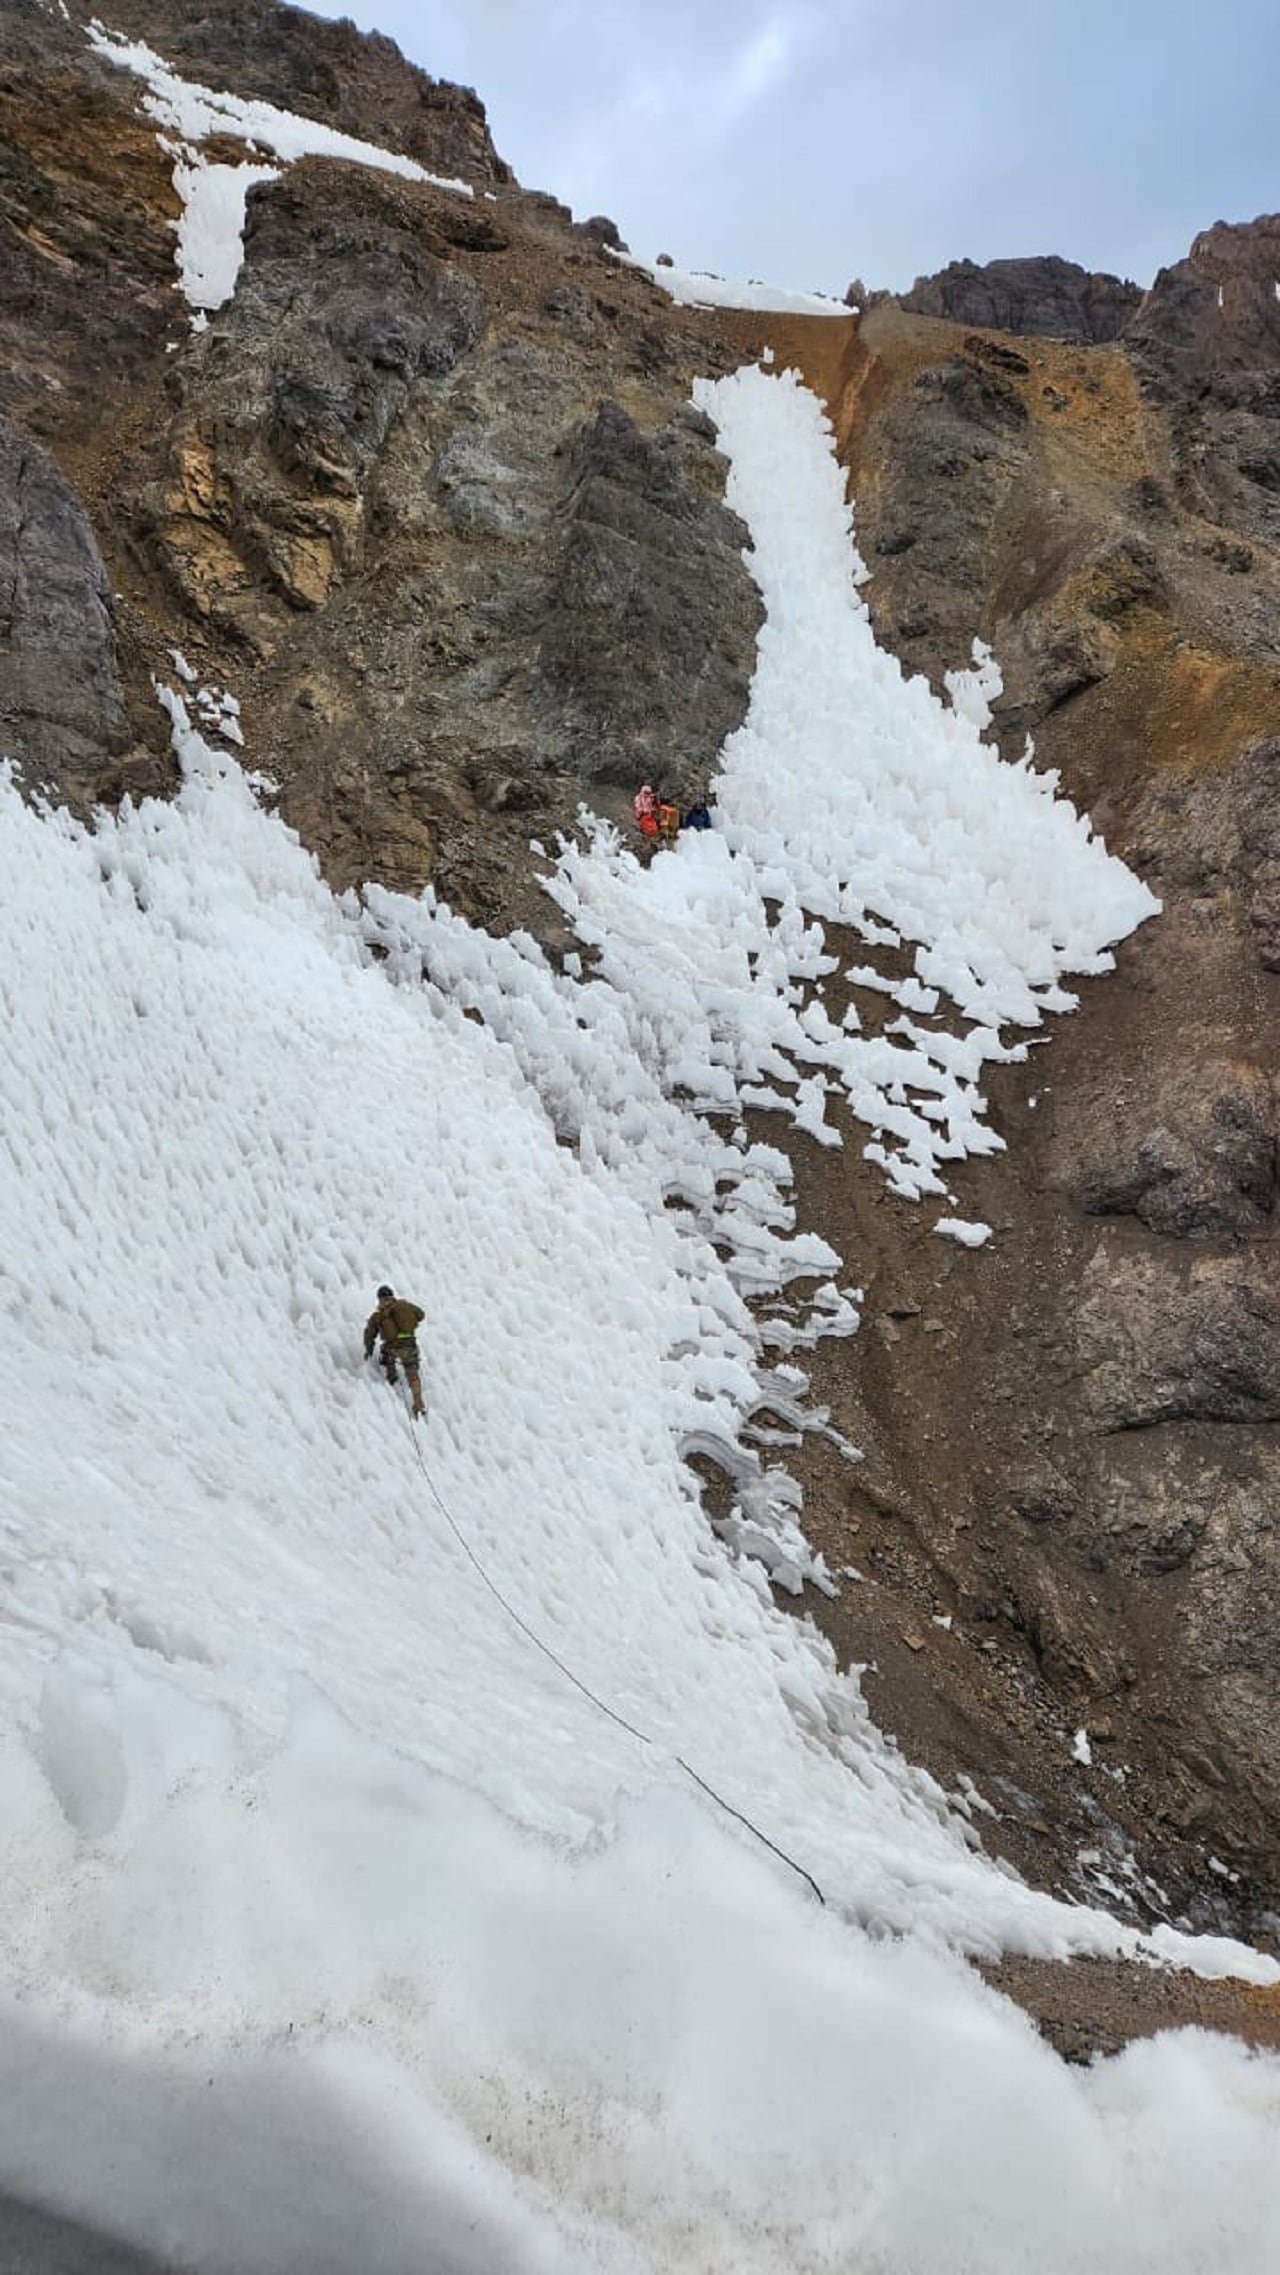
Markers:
point(340, 1928)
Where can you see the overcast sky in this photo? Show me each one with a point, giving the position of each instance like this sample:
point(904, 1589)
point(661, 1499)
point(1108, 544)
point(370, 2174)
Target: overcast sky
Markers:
point(808, 141)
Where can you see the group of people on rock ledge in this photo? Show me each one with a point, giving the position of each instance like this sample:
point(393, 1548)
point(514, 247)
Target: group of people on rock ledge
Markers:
point(659, 819)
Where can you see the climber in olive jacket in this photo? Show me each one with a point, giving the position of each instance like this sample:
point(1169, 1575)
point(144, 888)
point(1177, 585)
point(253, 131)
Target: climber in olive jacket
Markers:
point(396, 1322)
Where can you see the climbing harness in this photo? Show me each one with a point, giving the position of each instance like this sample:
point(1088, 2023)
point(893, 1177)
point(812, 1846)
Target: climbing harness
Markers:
point(642, 1736)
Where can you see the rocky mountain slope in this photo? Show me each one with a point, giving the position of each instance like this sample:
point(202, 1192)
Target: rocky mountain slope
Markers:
point(1087, 1447)
point(428, 490)
point(428, 493)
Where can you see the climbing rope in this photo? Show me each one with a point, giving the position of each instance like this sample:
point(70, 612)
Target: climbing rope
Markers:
point(533, 1637)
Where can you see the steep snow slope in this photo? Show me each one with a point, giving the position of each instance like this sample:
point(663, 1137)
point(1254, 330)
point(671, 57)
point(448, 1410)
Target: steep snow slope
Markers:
point(849, 793)
point(340, 1929)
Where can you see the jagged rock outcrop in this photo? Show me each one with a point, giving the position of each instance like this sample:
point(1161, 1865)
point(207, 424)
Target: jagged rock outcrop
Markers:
point(1211, 323)
point(1207, 343)
point(466, 586)
point(1052, 298)
point(288, 408)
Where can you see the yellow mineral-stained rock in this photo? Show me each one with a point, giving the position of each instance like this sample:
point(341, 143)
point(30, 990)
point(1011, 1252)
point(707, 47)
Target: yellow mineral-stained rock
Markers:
point(197, 479)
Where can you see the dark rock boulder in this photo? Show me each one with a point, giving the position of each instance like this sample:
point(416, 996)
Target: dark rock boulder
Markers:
point(1048, 297)
point(955, 444)
point(646, 642)
point(1195, 1160)
point(1187, 1528)
point(604, 231)
point(1162, 1341)
point(975, 393)
point(1219, 834)
point(1070, 640)
point(61, 711)
point(1145, 1500)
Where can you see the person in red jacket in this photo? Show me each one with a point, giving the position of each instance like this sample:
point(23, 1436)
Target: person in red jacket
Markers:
point(644, 806)
point(396, 1322)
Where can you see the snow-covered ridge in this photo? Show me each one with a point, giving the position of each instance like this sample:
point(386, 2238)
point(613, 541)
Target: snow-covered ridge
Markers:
point(699, 288)
point(211, 230)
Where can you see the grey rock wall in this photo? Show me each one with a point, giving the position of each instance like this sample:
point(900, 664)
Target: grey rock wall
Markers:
point(1052, 298)
point(61, 708)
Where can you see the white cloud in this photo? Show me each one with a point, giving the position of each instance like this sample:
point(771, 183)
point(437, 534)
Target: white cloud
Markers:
point(680, 96)
point(807, 139)
point(765, 61)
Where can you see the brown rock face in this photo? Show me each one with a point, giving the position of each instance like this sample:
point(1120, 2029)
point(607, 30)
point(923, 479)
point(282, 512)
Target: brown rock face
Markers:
point(86, 244)
point(1213, 321)
point(1192, 1342)
point(1081, 1467)
point(1196, 1161)
point(428, 490)
point(1207, 343)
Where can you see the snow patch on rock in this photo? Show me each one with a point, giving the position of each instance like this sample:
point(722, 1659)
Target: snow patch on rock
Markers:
point(210, 231)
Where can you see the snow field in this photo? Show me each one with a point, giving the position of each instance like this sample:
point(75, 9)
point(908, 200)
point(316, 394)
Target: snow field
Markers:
point(338, 1927)
point(235, 1116)
point(274, 1760)
point(643, 2057)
